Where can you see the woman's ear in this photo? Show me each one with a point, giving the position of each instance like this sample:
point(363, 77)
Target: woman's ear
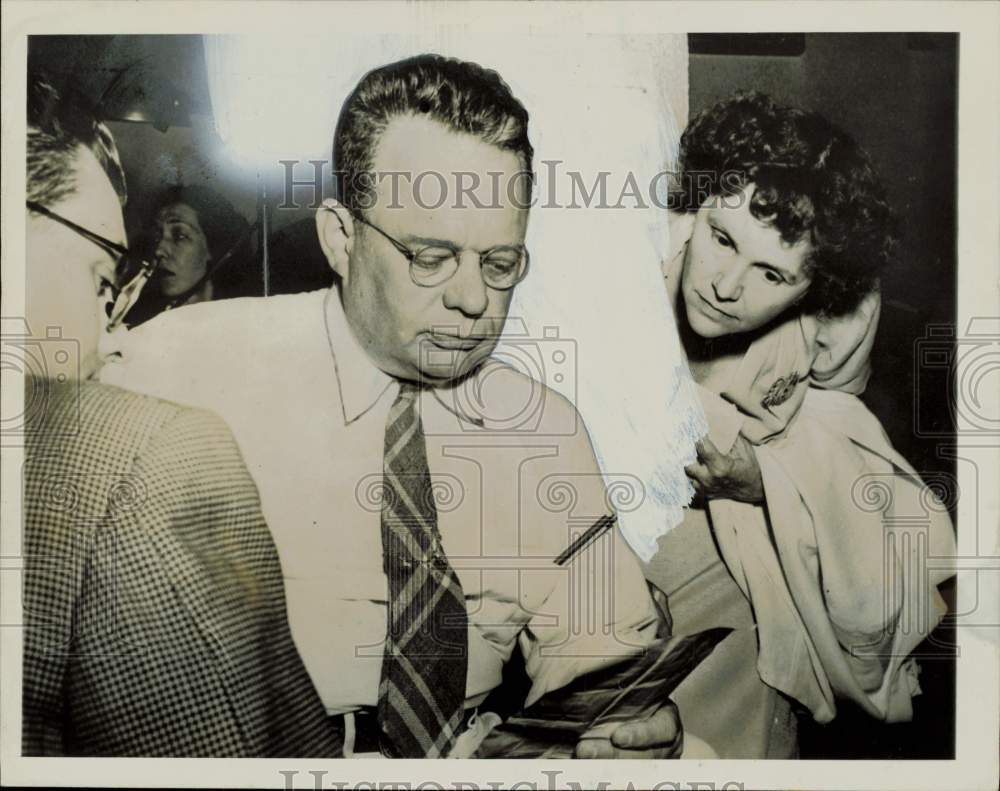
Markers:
point(335, 228)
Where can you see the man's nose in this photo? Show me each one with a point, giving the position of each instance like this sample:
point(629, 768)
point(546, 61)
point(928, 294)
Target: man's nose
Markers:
point(466, 291)
point(728, 285)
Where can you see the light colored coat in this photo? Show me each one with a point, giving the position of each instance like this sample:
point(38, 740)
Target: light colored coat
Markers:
point(842, 567)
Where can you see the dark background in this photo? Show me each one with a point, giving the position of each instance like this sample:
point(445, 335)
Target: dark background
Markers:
point(896, 93)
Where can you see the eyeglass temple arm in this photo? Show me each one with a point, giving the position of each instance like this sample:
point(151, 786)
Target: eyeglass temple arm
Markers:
point(93, 237)
point(403, 249)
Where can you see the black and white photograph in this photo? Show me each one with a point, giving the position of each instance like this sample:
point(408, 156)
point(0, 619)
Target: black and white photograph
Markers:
point(609, 388)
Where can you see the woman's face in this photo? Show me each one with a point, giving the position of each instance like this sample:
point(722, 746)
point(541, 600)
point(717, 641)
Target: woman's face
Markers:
point(181, 249)
point(738, 273)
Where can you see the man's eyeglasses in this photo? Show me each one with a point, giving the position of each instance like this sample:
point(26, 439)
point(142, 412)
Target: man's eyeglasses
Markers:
point(125, 261)
point(502, 267)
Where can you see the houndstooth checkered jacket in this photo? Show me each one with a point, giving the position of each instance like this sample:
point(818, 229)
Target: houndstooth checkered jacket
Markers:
point(154, 603)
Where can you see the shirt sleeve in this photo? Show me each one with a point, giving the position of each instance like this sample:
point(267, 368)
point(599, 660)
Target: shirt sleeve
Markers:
point(596, 608)
point(196, 355)
point(157, 358)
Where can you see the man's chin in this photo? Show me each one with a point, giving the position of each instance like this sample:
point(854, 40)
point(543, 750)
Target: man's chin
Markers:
point(438, 366)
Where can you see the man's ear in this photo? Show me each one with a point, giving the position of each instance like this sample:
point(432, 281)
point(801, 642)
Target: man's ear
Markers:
point(335, 228)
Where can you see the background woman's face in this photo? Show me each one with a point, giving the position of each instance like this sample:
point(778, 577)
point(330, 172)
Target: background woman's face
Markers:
point(738, 273)
point(181, 249)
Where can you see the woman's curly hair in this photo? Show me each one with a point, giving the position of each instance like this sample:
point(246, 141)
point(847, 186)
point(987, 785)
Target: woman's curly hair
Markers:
point(811, 180)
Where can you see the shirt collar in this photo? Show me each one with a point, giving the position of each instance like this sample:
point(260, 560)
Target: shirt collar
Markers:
point(360, 381)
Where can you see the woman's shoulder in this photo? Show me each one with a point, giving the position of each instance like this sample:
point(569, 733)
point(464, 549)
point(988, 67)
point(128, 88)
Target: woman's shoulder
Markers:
point(797, 353)
point(841, 345)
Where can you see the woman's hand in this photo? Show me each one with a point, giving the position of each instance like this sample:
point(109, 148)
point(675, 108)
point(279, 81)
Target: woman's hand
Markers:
point(718, 476)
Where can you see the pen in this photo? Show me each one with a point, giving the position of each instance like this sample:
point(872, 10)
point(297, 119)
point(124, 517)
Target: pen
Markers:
point(598, 528)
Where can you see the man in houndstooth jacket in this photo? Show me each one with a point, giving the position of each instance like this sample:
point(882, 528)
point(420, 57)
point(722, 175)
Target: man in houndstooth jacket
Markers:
point(155, 620)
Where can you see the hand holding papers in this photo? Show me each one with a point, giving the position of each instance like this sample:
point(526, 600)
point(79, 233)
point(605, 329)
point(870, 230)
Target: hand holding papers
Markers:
point(624, 692)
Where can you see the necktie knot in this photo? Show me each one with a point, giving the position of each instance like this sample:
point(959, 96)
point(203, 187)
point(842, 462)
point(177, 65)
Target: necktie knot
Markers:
point(408, 391)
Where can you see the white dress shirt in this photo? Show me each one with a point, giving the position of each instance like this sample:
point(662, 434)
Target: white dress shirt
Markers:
point(513, 488)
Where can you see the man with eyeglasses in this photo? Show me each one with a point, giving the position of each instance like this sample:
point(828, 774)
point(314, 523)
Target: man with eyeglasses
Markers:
point(425, 499)
point(154, 615)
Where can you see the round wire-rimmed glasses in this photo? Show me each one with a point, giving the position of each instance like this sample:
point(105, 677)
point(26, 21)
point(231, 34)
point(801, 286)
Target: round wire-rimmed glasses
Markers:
point(502, 267)
point(124, 297)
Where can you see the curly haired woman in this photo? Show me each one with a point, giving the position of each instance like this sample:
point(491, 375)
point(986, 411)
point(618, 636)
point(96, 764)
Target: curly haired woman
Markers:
point(780, 228)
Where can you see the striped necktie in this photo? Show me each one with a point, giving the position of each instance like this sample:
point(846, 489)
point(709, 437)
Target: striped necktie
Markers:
point(422, 690)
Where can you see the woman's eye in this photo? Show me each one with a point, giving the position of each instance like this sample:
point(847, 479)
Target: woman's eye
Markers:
point(773, 277)
point(722, 240)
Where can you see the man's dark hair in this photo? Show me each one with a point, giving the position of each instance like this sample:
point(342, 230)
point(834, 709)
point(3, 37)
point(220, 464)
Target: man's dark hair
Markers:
point(222, 224)
point(812, 181)
point(463, 96)
point(57, 126)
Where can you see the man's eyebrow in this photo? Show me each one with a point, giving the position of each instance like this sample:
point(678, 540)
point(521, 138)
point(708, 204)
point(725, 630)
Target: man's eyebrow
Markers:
point(428, 241)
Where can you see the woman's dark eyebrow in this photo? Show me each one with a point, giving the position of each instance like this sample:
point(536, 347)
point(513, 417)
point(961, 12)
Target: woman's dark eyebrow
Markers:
point(175, 221)
point(785, 274)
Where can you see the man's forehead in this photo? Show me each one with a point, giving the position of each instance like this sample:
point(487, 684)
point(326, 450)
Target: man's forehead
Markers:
point(435, 176)
point(429, 157)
